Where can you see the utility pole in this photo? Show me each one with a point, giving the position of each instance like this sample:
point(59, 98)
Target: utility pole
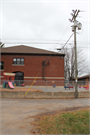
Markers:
point(76, 88)
point(76, 24)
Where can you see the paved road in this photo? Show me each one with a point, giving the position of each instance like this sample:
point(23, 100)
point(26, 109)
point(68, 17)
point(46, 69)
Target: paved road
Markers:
point(55, 89)
point(17, 114)
point(61, 89)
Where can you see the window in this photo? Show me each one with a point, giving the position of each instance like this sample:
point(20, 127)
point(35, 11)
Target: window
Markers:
point(14, 61)
point(22, 60)
point(1, 65)
point(18, 61)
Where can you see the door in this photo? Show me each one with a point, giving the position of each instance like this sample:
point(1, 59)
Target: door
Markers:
point(19, 77)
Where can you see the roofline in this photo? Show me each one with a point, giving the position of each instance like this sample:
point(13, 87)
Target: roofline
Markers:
point(83, 77)
point(41, 54)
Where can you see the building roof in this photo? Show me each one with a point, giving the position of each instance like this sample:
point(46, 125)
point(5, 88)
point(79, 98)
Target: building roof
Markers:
point(85, 76)
point(23, 49)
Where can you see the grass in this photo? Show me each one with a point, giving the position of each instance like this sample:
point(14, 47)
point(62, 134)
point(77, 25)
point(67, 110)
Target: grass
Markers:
point(65, 123)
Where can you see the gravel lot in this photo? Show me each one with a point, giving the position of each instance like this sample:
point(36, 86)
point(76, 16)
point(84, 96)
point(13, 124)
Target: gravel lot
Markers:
point(16, 115)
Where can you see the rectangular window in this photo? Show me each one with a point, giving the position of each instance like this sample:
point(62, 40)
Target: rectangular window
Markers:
point(22, 60)
point(18, 61)
point(14, 61)
point(1, 65)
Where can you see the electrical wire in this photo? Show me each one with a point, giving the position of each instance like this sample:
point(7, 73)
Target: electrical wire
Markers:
point(67, 41)
point(82, 17)
point(64, 33)
point(44, 64)
point(86, 22)
point(31, 42)
point(78, 47)
point(51, 54)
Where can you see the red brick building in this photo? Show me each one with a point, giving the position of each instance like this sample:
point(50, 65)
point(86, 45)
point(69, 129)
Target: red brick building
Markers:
point(28, 62)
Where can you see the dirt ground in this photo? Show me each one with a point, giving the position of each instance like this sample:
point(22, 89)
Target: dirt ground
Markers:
point(18, 116)
point(20, 89)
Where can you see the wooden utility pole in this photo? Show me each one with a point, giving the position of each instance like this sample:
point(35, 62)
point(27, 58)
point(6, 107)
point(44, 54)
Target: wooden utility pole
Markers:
point(76, 24)
point(76, 88)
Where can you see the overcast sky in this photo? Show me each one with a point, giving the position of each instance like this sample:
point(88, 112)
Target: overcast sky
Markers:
point(44, 22)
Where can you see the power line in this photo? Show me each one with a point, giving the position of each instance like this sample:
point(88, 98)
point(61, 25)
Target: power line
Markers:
point(85, 22)
point(40, 42)
point(84, 11)
point(30, 43)
point(83, 17)
point(79, 47)
point(48, 59)
point(67, 41)
point(41, 70)
point(63, 34)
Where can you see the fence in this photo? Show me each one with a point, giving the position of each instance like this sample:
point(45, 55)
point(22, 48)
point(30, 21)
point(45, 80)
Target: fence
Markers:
point(43, 86)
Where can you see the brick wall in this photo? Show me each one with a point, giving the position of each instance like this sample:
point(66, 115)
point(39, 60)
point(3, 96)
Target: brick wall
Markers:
point(33, 66)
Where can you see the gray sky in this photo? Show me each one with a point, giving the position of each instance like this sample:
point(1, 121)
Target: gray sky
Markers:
point(44, 21)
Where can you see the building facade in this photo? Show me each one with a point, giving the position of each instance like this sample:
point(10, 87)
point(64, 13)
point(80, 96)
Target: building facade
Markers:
point(28, 63)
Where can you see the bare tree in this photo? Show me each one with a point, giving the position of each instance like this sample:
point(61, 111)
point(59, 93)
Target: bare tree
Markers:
point(69, 63)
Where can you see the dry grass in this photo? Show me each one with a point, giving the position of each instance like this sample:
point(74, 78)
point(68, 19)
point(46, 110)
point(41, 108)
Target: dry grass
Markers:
point(76, 122)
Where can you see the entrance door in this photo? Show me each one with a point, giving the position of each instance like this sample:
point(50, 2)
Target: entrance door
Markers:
point(19, 77)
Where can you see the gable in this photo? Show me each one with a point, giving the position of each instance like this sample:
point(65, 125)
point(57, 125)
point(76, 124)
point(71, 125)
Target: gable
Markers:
point(22, 49)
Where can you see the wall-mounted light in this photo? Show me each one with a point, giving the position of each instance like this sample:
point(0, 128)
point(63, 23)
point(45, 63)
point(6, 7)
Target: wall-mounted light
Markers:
point(61, 57)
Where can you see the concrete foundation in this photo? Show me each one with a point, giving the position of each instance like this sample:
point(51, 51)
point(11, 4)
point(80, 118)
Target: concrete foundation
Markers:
point(43, 95)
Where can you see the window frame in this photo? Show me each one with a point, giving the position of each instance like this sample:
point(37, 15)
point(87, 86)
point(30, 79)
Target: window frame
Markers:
point(18, 61)
point(2, 65)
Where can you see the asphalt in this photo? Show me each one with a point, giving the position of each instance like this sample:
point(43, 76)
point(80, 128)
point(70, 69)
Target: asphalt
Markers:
point(45, 89)
point(56, 89)
point(16, 115)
